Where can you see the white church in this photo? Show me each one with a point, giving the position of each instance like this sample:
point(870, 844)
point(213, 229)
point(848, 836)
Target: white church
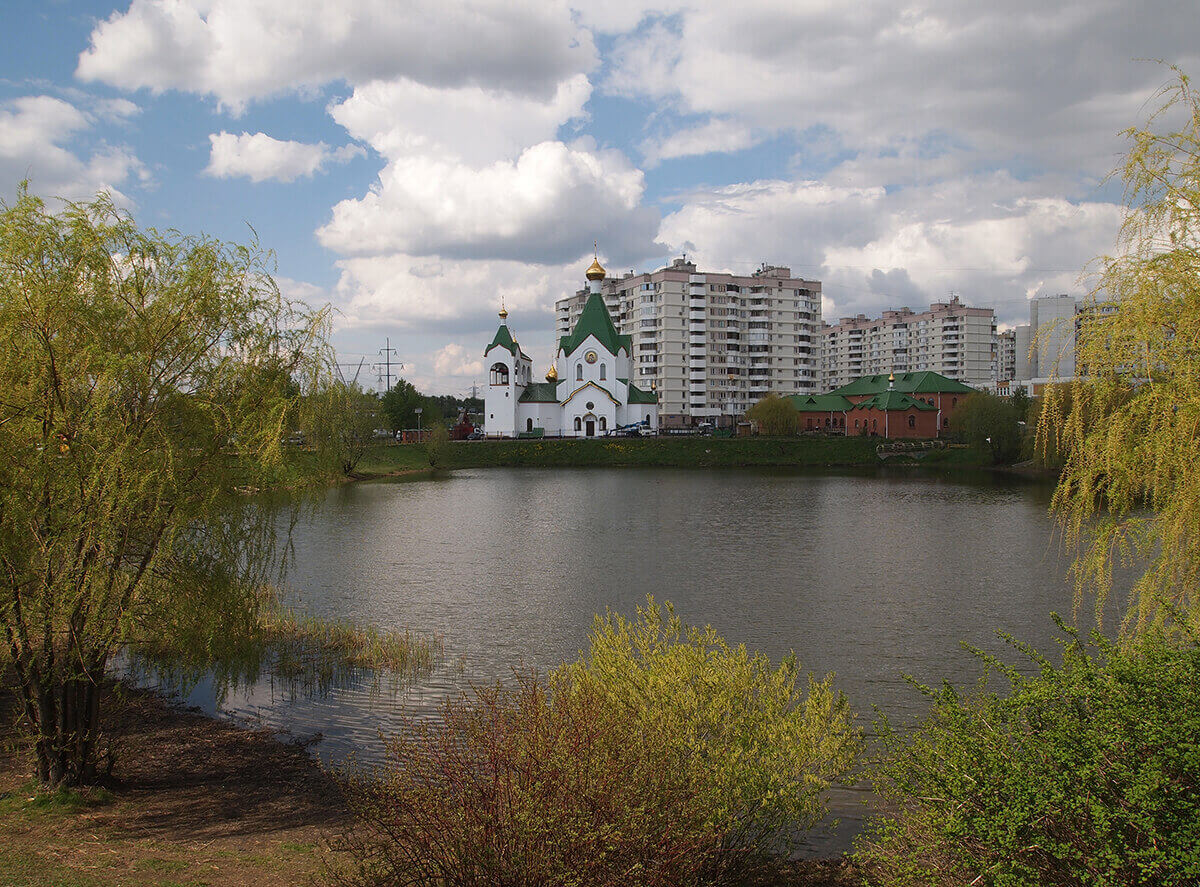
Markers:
point(587, 392)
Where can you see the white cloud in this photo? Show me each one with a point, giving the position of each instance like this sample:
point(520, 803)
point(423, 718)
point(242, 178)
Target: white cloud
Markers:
point(37, 141)
point(117, 109)
point(422, 304)
point(259, 157)
point(474, 124)
point(240, 50)
point(456, 361)
point(714, 136)
point(874, 248)
point(409, 292)
point(1050, 84)
point(539, 208)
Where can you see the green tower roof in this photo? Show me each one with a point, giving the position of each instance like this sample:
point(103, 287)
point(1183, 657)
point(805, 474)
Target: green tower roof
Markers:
point(504, 339)
point(596, 321)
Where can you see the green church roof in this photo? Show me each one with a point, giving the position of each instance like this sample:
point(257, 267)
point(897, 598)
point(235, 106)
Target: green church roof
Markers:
point(540, 392)
point(892, 400)
point(823, 403)
point(504, 339)
point(924, 382)
point(596, 321)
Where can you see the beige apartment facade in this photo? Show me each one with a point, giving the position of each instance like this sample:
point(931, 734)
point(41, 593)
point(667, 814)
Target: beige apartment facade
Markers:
point(952, 339)
point(712, 344)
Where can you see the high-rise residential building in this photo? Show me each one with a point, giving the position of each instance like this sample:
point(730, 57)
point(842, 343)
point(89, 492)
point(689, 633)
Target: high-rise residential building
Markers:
point(950, 338)
point(1006, 356)
point(1045, 348)
point(711, 343)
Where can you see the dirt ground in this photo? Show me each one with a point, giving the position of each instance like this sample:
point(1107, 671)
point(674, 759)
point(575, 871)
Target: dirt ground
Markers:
point(193, 801)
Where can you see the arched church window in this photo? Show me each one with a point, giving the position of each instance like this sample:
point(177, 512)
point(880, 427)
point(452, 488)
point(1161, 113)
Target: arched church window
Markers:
point(579, 372)
point(499, 374)
point(529, 425)
point(602, 376)
point(603, 420)
point(912, 421)
point(578, 424)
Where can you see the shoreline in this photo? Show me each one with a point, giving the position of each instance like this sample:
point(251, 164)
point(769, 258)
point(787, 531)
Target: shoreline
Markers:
point(196, 799)
point(704, 453)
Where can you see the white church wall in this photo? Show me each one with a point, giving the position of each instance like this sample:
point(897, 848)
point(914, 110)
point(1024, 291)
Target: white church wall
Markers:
point(604, 372)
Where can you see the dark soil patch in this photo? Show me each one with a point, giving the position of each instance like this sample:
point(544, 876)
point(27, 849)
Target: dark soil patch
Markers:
point(191, 800)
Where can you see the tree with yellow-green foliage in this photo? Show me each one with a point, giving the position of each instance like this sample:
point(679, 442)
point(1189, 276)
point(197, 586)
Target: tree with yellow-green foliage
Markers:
point(775, 416)
point(146, 381)
point(1130, 440)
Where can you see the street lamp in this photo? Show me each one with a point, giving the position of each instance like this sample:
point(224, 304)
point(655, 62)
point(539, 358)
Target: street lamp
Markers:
point(418, 411)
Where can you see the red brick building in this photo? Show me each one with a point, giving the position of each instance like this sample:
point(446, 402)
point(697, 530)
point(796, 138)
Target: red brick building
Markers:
point(903, 405)
point(933, 389)
point(893, 415)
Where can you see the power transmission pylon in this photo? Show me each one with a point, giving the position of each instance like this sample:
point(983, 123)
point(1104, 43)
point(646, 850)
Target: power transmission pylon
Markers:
point(387, 351)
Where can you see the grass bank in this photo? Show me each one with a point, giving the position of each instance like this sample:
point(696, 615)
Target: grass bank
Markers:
point(656, 452)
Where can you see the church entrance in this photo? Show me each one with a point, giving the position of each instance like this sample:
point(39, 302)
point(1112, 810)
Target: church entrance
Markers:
point(590, 425)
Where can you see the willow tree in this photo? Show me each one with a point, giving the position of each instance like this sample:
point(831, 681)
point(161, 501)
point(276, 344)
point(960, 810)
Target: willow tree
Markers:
point(1130, 437)
point(776, 416)
point(146, 380)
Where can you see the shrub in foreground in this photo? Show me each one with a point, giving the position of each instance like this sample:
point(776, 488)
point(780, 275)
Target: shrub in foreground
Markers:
point(519, 785)
point(1088, 773)
point(662, 757)
point(759, 745)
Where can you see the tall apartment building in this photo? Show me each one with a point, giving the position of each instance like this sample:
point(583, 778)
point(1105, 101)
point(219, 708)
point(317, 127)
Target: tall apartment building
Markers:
point(950, 338)
point(1045, 348)
point(1006, 356)
point(714, 343)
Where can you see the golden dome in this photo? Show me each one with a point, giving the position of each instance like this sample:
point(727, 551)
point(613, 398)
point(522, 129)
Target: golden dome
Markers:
point(552, 373)
point(595, 271)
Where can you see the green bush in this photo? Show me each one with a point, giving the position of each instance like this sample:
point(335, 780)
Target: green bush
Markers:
point(758, 746)
point(1088, 773)
point(521, 785)
point(664, 757)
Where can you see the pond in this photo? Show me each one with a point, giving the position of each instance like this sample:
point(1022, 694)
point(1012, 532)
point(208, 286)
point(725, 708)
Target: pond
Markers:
point(870, 577)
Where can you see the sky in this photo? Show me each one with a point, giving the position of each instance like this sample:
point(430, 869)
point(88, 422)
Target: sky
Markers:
point(416, 164)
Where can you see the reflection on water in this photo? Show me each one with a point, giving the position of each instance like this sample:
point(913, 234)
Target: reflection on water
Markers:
point(870, 577)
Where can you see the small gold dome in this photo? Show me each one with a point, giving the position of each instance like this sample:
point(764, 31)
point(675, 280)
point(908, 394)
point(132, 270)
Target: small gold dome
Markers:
point(595, 271)
point(503, 313)
point(552, 373)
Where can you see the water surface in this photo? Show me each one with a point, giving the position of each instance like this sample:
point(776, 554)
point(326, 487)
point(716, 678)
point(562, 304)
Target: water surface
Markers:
point(868, 576)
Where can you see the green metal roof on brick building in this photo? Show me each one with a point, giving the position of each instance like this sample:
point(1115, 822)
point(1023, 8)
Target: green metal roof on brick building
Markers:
point(823, 403)
point(924, 382)
point(596, 321)
point(892, 400)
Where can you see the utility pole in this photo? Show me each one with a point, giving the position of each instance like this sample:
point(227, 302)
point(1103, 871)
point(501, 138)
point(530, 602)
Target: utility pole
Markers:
point(387, 351)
